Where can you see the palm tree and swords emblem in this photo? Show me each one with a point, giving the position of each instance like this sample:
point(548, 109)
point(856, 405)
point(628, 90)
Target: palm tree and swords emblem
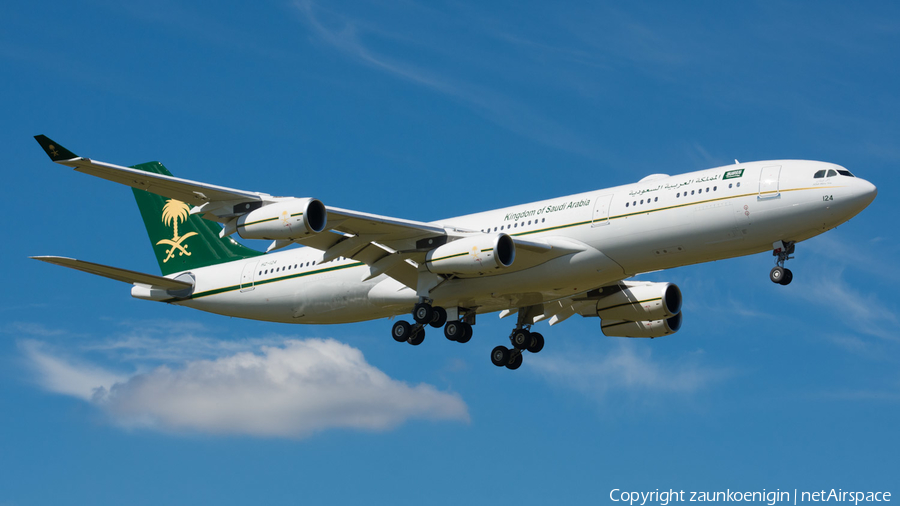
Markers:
point(173, 213)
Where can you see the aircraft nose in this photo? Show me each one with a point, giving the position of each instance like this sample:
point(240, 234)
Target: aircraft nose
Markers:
point(863, 194)
point(867, 192)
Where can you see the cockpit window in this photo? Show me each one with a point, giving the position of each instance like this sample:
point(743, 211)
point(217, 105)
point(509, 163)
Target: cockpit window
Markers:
point(845, 173)
point(831, 172)
point(819, 174)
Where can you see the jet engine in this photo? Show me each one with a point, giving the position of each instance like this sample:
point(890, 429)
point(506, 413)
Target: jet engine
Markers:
point(477, 255)
point(651, 329)
point(289, 219)
point(641, 302)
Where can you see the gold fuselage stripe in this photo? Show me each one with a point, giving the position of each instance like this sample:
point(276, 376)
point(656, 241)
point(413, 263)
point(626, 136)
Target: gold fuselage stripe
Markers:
point(558, 227)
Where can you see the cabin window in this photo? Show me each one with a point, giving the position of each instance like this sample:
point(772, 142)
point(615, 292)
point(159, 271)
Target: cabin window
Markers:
point(729, 185)
point(678, 195)
point(692, 192)
point(739, 184)
point(626, 204)
point(714, 188)
point(707, 189)
point(831, 172)
point(543, 220)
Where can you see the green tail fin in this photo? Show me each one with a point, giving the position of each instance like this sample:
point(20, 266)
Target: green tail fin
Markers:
point(183, 241)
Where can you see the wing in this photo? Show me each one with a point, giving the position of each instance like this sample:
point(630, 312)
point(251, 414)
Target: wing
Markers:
point(388, 245)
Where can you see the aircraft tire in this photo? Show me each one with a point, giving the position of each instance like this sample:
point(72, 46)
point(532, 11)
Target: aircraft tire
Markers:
point(776, 274)
point(454, 330)
point(515, 363)
point(521, 338)
point(466, 335)
point(401, 331)
point(788, 277)
point(417, 337)
point(537, 343)
point(423, 313)
point(439, 318)
point(500, 356)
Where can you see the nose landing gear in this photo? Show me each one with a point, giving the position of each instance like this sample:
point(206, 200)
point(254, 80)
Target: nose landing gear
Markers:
point(779, 274)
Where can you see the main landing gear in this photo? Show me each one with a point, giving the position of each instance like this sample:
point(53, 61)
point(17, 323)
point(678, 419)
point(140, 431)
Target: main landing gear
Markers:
point(460, 331)
point(779, 274)
point(522, 339)
point(435, 316)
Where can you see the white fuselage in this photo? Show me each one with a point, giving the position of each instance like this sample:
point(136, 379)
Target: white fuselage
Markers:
point(658, 223)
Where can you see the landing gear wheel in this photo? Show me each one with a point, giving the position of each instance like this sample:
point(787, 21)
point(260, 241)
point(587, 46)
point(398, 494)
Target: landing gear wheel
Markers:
point(520, 338)
point(417, 337)
point(454, 330)
point(537, 343)
point(401, 331)
point(423, 313)
point(776, 274)
point(514, 362)
point(439, 318)
point(466, 335)
point(788, 277)
point(500, 356)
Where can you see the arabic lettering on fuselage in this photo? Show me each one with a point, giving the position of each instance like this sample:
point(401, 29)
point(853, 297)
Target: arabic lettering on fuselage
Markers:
point(673, 186)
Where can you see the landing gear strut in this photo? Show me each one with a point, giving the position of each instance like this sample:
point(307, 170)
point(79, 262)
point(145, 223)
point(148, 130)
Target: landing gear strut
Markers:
point(779, 274)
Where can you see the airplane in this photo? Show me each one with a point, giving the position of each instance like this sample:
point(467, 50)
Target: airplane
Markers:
point(540, 261)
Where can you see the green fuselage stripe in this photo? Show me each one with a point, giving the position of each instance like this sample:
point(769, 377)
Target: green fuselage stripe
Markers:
point(231, 288)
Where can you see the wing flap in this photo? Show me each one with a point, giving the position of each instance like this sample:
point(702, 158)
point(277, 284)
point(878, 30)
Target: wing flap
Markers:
point(116, 273)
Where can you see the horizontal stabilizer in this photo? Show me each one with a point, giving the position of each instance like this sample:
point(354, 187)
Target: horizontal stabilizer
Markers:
point(116, 273)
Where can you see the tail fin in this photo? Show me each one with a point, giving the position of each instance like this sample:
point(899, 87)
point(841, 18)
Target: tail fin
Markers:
point(183, 241)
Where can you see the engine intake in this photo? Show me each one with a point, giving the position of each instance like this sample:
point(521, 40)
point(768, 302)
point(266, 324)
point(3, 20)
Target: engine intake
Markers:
point(289, 219)
point(641, 302)
point(476, 255)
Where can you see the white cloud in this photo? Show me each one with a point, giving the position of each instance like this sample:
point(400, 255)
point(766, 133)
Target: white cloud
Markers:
point(625, 370)
point(66, 377)
point(496, 107)
point(863, 312)
point(289, 391)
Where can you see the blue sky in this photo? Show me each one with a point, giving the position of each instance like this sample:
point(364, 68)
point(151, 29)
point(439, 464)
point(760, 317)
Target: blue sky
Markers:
point(423, 111)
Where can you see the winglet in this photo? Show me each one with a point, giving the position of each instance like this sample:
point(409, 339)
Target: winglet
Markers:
point(56, 152)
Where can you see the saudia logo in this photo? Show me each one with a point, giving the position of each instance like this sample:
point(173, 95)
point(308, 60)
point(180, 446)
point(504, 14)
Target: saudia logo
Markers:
point(173, 213)
point(731, 174)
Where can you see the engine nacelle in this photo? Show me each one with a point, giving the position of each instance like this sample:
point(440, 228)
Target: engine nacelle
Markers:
point(290, 219)
point(651, 329)
point(477, 255)
point(641, 303)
